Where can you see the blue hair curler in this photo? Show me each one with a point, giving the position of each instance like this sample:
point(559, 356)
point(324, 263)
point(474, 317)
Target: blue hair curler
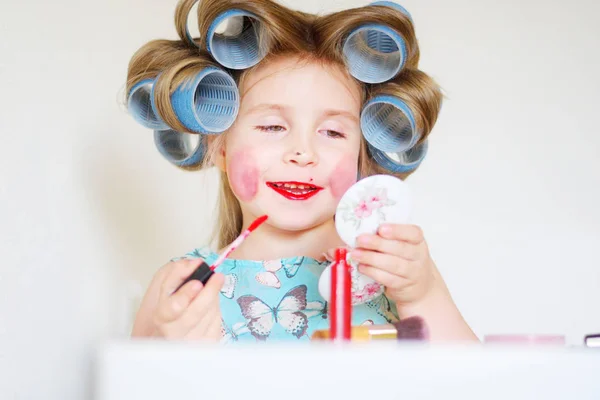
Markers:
point(388, 124)
point(188, 34)
point(180, 149)
point(208, 104)
point(392, 5)
point(374, 53)
point(141, 105)
point(401, 162)
point(238, 47)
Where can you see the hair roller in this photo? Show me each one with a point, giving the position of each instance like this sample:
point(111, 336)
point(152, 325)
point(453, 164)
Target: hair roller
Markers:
point(401, 112)
point(182, 12)
point(183, 150)
point(209, 104)
point(374, 53)
point(388, 124)
point(195, 96)
point(141, 107)
point(376, 42)
point(394, 6)
point(237, 46)
point(148, 62)
point(400, 162)
point(252, 29)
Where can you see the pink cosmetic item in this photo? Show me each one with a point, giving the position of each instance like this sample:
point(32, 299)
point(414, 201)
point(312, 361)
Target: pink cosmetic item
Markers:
point(529, 340)
point(204, 272)
point(341, 298)
point(239, 240)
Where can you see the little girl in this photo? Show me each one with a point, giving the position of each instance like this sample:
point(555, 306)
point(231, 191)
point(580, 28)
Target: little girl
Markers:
point(290, 150)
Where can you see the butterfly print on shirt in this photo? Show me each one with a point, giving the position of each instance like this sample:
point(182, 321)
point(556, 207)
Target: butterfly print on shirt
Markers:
point(292, 313)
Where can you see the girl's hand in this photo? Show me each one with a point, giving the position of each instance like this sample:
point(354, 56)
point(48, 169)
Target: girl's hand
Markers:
point(191, 313)
point(398, 258)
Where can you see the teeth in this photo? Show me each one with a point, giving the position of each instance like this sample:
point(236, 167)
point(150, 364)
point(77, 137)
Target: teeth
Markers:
point(304, 188)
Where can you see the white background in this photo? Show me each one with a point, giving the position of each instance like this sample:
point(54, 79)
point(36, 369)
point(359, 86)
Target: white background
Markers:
point(508, 195)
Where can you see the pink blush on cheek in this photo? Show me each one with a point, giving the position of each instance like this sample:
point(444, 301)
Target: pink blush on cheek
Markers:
point(243, 175)
point(343, 176)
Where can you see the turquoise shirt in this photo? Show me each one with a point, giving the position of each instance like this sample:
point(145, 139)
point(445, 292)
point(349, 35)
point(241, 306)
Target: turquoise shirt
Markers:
point(279, 299)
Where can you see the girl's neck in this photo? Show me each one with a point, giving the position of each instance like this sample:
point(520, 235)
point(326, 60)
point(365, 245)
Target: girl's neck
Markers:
point(270, 243)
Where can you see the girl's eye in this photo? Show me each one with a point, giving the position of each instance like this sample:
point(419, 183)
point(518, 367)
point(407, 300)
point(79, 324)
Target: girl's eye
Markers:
point(335, 134)
point(270, 128)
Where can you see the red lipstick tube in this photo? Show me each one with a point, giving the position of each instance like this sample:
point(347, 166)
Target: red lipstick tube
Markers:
point(340, 310)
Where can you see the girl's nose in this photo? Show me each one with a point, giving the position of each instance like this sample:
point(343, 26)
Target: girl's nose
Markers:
point(301, 157)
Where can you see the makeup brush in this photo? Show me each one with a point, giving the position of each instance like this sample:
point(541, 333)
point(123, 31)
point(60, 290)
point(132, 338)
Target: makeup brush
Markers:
point(204, 271)
point(408, 329)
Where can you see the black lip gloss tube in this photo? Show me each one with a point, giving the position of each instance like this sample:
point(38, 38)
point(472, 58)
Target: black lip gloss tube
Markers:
point(202, 274)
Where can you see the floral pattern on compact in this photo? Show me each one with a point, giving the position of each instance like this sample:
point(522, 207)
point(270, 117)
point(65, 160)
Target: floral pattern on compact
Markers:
point(364, 288)
point(373, 200)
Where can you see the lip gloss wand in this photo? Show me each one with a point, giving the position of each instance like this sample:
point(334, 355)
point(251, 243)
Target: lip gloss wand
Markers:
point(204, 272)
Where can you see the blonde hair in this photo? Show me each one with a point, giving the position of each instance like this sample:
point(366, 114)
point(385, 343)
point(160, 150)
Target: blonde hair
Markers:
point(282, 32)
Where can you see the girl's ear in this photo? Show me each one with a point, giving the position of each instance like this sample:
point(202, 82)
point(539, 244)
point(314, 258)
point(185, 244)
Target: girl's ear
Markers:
point(216, 148)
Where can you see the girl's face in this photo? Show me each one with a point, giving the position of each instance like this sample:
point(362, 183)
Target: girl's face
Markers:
point(293, 150)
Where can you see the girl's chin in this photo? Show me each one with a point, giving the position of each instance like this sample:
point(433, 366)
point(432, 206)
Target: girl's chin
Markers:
point(297, 223)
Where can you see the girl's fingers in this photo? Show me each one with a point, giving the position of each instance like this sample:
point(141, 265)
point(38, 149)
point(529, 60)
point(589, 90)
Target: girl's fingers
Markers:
point(177, 275)
point(209, 293)
point(191, 325)
point(171, 308)
point(390, 264)
point(407, 233)
point(383, 277)
point(205, 327)
point(397, 248)
point(206, 301)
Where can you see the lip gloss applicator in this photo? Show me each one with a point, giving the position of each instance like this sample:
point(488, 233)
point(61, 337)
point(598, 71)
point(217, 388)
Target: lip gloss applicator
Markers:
point(204, 271)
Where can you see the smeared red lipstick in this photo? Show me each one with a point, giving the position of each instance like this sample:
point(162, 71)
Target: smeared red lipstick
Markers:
point(294, 190)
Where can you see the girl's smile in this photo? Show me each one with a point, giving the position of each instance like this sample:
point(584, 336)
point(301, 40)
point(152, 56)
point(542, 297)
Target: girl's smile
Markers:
point(295, 190)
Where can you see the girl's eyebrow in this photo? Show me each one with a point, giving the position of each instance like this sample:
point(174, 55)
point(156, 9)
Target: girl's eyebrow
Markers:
point(342, 113)
point(280, 108)
point(266, 107)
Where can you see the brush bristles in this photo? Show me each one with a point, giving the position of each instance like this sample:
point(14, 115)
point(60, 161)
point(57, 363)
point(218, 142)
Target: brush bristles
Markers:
point(412, 328)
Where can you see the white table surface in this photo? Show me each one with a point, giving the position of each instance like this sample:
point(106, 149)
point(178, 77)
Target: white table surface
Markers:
point(160, 370)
